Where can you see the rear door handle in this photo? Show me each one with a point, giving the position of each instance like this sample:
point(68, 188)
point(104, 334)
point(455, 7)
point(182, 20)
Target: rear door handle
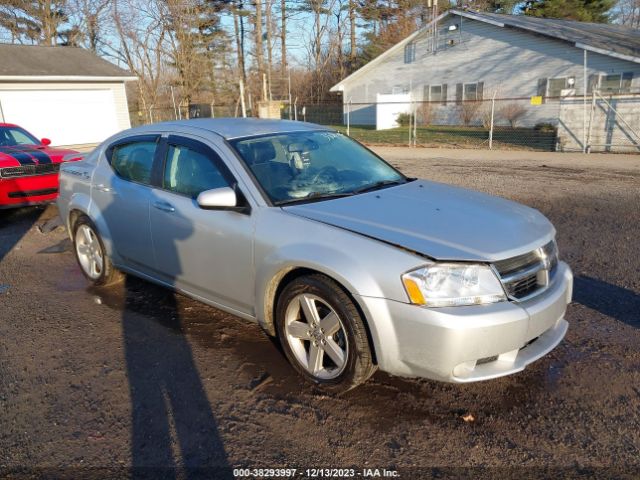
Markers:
point(164, 206)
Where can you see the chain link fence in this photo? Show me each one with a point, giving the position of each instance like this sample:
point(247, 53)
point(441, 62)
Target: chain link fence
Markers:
point(596, 122)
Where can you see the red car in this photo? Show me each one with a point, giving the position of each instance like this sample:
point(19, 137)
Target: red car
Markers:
point(28, 167)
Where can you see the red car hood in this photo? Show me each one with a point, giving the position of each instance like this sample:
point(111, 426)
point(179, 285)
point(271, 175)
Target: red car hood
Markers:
point(19, 155)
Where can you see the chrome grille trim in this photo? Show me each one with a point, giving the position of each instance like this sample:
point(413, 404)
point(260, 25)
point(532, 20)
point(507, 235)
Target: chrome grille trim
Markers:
point(526, 276)
point(29, 170)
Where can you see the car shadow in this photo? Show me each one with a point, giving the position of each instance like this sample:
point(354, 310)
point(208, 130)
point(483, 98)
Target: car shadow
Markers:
point(611, 300)
point(14, 224)
point(173, 427)
point(174, 432)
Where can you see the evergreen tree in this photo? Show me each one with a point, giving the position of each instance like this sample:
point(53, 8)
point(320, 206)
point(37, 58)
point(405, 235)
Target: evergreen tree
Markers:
point(582, 10)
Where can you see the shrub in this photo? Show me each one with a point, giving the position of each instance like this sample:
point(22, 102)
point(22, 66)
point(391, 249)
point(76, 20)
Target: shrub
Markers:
point(545, 127)
point(512, 112)
point(467, 112)
point(424, 114)
point(403, 119)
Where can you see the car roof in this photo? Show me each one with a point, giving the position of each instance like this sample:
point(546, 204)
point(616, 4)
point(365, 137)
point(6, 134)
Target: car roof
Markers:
point(231, 128)
point(9, 125)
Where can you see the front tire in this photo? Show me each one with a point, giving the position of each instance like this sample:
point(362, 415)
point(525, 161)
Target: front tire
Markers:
point(91, 254)
point(323, 334)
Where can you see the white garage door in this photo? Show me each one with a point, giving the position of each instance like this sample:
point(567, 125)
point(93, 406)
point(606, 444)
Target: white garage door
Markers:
point(67, 117)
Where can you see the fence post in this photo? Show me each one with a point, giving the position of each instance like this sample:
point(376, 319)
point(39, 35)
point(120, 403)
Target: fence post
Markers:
point(493, 107)
point(591, 114)
point(173, 99)
point(348, 116)
point(410, 126)
point(415, 124)
point(244, 108)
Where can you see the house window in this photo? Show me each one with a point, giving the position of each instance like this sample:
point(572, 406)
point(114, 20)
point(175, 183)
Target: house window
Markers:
point(555, 86)
point(410, 52)
point(435, 93)
point(616, 83)
point(469, 92)
point(399, 89)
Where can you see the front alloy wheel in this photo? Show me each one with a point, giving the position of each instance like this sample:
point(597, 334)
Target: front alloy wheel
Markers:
point(316, 336)
point(323, 334)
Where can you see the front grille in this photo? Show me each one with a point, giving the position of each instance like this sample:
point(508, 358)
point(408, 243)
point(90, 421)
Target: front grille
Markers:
point(527, 275)
point(29, 170)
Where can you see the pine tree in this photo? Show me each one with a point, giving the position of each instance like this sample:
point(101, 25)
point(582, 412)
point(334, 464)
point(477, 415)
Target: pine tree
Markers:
point(581, 10)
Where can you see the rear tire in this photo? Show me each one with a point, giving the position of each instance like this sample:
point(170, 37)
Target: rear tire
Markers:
point(91, 255)
point(323, 334)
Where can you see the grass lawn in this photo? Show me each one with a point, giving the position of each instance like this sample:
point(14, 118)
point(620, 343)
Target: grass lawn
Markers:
point(453, 136)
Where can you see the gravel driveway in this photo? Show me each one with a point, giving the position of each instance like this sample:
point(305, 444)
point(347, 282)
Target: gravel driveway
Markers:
point(95, 381)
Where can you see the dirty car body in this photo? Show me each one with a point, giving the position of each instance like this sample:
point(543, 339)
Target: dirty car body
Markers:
point(28, 168)
point(450, 284)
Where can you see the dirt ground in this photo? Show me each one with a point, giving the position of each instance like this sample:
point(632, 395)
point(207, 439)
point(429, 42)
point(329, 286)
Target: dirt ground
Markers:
point(94, 382)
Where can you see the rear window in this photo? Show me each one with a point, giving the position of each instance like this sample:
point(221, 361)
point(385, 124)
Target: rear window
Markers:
point(133, 161)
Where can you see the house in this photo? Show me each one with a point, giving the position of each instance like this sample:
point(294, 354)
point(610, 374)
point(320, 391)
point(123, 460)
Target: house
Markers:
point(465, 56)
point(67, 94)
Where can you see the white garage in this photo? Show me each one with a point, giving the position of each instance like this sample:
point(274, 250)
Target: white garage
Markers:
point(66, 94)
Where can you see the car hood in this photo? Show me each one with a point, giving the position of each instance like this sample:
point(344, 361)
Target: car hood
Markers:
point(19, 155)
point(437, 220)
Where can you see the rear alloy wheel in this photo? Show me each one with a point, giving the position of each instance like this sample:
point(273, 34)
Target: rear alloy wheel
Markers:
point(323, 334)
point(91, 254)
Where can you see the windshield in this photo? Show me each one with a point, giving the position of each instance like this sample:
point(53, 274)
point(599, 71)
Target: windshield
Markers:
point(300, 166)
point(12, 136)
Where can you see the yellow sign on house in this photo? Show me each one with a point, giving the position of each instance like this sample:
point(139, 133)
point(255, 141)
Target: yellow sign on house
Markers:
point(536, 100)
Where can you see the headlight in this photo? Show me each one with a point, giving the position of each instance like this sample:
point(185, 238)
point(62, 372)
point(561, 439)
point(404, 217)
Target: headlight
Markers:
point(450, 285)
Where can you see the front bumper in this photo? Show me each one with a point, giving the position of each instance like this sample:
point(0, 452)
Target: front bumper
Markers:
point(467, 344)
point(23, 191)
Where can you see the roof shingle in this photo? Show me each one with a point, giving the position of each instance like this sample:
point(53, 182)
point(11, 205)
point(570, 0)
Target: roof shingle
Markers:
point(35, 60)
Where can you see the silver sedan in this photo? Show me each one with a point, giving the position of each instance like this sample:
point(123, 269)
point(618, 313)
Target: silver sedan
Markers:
point(349, 263)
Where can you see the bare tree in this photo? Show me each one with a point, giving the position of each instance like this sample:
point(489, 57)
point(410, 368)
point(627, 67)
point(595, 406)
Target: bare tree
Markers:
point(269, 25)
point(512, 112)
point(283, 44)
point(34, 21)
point(90, 18)
point(141, 34)
point(468, 112)
point(259, 53)
point(628, 13)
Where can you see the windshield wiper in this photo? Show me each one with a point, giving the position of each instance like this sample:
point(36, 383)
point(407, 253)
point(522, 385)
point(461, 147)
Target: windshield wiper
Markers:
point(315, 196)
point(378, 186)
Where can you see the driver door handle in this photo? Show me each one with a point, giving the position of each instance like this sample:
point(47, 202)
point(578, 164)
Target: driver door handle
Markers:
point(164, 206)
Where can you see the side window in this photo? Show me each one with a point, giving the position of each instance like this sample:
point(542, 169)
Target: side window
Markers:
point(189, 172)
point(133, 161)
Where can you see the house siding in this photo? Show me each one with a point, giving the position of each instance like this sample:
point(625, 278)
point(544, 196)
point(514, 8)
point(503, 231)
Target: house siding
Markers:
point(509, 62)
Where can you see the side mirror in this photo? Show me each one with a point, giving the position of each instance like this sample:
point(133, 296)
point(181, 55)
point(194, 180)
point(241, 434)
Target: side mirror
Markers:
point(218, 198)
point(46, 142)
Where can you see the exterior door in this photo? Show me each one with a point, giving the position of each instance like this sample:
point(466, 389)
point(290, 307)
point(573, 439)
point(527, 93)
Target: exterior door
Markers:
point(209, 253)
point(121, 187)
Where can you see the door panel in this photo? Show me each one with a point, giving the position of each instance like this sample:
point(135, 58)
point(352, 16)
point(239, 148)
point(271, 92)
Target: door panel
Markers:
point(206, 252)
point(124, 203)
